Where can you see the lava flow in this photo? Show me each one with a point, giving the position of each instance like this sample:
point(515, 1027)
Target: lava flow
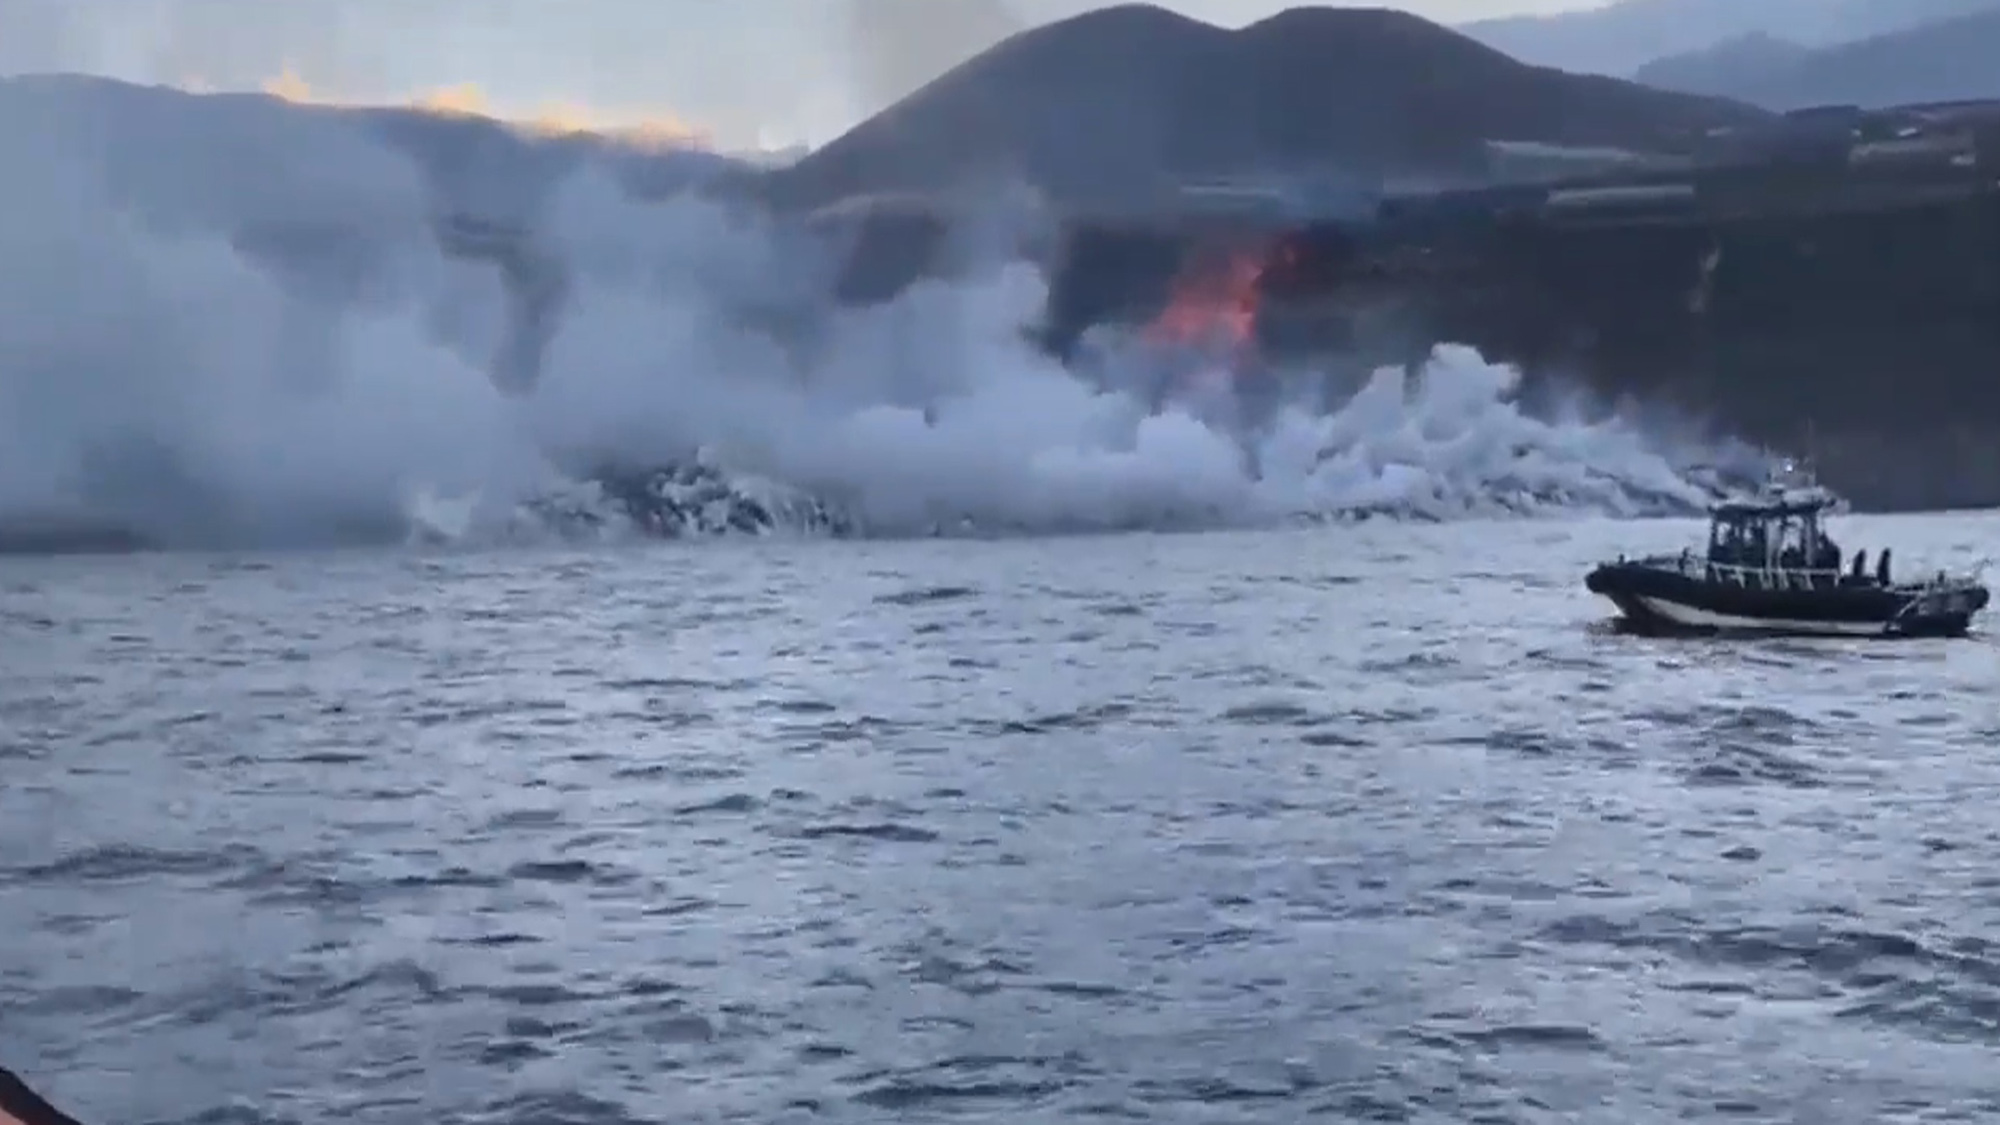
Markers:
point(1212, 314)
point(1214, 303)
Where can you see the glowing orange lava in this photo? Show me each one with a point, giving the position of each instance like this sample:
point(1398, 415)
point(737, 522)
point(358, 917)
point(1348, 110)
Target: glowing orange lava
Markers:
point(1213, 314)
point(650, 130)
point(1214, 303)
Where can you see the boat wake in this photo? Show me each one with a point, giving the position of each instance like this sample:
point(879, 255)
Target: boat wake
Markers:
point(237, 322)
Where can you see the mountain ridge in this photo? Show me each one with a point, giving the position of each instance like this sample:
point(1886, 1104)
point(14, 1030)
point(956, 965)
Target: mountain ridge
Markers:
point(1098, 106)
point(1946, 60)
point(1620, 38)
point(1720, 67)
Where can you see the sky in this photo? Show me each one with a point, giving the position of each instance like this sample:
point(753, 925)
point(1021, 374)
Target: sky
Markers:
point(747, 73)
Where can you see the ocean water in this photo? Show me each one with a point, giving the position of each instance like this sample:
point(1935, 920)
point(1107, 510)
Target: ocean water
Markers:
point(1371, 823)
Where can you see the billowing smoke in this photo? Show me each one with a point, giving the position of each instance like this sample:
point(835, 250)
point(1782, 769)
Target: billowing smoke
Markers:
point(235, 321)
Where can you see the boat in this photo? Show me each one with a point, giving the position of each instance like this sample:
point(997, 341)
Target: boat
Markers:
point(1770, 568)
point(20, 1105)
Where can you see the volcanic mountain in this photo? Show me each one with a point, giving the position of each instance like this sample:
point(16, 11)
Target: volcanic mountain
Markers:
point(1097, 110)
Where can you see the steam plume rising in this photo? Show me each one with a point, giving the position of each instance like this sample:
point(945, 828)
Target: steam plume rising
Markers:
point(232, 321)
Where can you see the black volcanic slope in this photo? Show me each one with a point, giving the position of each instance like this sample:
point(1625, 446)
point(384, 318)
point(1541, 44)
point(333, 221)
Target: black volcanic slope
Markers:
point(1095, 110)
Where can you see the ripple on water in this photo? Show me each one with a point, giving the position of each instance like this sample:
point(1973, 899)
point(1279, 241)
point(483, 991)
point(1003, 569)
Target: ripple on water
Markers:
point(927, 595)
point(1168, 829)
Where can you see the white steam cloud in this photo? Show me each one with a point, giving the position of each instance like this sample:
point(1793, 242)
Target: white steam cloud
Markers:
point(228, 321)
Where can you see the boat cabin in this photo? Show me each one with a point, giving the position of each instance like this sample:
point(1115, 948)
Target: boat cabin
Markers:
point(1782, 539)
point(1772, 535)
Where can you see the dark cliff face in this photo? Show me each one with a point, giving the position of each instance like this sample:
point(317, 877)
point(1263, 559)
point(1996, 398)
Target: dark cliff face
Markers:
point(1866, 334)
point(1864, 337)
point(1098, 110)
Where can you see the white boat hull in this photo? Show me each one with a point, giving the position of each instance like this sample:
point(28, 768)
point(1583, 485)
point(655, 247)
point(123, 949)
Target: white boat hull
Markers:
point(1696, 618)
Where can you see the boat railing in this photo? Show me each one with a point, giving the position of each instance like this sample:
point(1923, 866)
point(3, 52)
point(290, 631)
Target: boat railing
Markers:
point(1760, 577)
point(1695, 565)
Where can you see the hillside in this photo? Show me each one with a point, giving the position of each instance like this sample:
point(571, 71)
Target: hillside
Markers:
point(1097, 108)
point(1620, 38)
point(1724, 66)
point(1947, 60)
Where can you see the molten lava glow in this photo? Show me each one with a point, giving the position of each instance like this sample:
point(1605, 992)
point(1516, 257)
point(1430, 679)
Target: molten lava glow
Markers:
point(1214, 304)
point(1213, 314)
point(651, 130)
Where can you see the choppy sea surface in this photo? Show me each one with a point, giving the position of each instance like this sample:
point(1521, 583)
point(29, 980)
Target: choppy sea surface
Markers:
point(1372, 824)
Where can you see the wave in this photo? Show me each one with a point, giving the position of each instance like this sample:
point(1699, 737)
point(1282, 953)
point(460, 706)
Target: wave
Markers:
point(227, 320)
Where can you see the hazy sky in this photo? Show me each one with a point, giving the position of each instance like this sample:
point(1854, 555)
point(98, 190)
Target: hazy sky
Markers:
point(748, 71)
